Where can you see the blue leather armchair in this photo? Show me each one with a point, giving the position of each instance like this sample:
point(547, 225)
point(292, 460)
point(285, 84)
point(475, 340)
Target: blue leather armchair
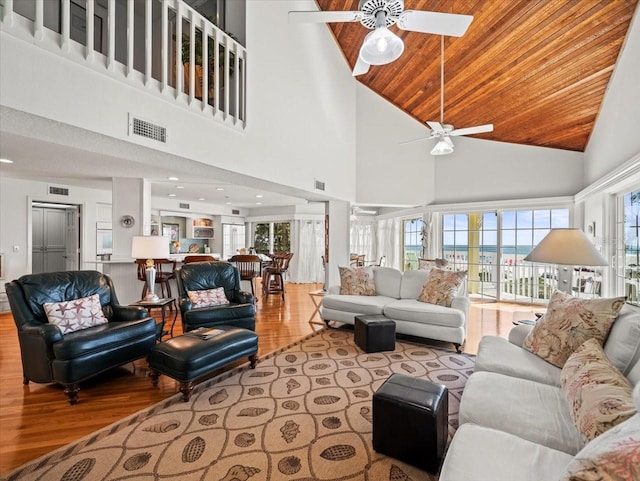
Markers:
point(240, 312)
point(49, 356)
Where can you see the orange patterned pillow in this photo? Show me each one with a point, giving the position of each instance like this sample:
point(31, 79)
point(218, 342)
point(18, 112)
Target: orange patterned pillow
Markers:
point(598, 395)
point(75, 315)
point(442, 286)
point(208, 297)
point(569, 322)
point(356, 281)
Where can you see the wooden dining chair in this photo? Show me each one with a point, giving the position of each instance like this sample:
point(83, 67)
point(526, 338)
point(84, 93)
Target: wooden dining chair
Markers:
point(165, 271)
point(198, 258)
point(249, 266)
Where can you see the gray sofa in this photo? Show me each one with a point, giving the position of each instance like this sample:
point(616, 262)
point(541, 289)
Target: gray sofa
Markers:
point(396, 298)
point(514, 421)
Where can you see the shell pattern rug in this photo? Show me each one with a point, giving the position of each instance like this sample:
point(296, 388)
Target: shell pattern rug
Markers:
point(303, 414)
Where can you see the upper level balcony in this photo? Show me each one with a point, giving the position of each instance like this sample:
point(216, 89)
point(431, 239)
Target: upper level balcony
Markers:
point(161, 46)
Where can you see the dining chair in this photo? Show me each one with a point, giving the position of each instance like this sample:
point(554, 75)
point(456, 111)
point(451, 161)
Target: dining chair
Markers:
point(273, 277)
point(249, 266)
point(163, 276)
point(198, 258)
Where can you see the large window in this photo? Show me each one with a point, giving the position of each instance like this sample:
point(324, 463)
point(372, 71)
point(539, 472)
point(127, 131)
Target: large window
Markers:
point(412, 246)
point(272, 237)
point(491, 246)
point(629, 272)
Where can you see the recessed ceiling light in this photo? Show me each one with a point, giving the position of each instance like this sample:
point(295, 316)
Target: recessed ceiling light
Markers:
point(201, 198)
point(6, 161)
point(228, 203)
point(172, 195)
point(259, 196)
point(258, 203)
point(179, 186)
point(219, 188)
point(173, 178)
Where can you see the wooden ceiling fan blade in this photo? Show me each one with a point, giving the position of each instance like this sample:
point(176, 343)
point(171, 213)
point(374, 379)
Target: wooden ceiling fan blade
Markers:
point(478, 129)
point(361, 67)
point(450, 24)
point(328, 16)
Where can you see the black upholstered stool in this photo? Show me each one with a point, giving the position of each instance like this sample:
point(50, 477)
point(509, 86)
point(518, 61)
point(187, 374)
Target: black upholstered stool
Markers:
point(189, 358)
point(410, 421)
point(374, 333)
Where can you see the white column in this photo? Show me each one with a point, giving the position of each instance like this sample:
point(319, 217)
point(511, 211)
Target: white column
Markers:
point(131, 197)
point(339, 217)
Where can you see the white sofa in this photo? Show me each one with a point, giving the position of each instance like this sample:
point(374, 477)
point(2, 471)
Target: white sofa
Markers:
point(515, 424)
point(396, 298)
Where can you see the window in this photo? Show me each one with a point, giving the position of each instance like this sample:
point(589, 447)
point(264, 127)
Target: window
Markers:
point(412, 247)
point(272, 237)
point(629, 249)
point(491, 246)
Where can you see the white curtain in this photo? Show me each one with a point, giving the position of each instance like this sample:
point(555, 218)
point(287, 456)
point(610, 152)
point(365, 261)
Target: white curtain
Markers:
point(363, 239)
point(308, 248)
point(388, 240)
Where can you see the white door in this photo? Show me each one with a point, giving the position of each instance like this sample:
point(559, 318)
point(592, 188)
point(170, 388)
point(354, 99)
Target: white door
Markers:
point(72, 247)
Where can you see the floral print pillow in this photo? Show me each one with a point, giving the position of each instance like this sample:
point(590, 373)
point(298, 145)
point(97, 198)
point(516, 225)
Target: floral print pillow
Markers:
point(613, 456)
point(569, 322)
point(356, 281)
point(442, 286)
point(75, 315)
point(208, 297)
point(598, 395)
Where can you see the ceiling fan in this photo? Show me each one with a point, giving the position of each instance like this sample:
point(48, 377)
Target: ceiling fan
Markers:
point(441, 131)
point(381, 46)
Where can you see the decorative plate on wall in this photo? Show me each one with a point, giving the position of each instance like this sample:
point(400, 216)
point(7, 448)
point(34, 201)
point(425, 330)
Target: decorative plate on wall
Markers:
point(127, 221)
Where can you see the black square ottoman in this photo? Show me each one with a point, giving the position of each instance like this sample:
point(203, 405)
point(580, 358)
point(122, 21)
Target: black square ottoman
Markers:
point(189, 358)
point(374, 333)
point(410, 421)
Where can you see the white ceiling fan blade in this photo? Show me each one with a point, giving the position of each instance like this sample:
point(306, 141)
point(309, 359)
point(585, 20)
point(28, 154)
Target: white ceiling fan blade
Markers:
point(437, 126)
point(450, 24)
point(478, 129)
point(361, 67)
point(328, 16)
point(432, 136)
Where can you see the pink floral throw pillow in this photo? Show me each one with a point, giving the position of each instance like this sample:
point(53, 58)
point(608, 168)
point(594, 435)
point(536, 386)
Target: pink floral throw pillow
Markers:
point(208, 297)
point(442, 286)
point(569, 322)
point(356, 281)
point(598, 395)
point(75, 315)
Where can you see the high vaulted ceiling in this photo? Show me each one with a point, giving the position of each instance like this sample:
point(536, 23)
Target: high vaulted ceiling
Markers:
point(537, 69)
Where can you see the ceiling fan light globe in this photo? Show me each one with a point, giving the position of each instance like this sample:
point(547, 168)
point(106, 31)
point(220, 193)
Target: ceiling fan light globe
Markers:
point(381, 46)
point(442, 148)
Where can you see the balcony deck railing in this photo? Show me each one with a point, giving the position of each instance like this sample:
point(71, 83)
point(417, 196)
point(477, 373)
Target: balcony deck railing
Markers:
point(163, 46)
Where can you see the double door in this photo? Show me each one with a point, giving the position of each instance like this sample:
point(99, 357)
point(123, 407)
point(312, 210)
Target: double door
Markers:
point(54, 239)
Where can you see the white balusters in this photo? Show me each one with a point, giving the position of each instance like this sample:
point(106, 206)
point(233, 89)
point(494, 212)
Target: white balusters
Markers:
point(179, 66)
point(38, 24)
point(148, 44)
point(130, 37)
point(89, 31)
point(111, 34)
point(64, 25)
point(164, 61)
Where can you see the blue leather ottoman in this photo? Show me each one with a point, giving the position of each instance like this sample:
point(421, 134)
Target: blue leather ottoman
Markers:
point(189, 358)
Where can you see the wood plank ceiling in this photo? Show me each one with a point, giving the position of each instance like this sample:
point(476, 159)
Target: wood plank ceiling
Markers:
point(538, 70)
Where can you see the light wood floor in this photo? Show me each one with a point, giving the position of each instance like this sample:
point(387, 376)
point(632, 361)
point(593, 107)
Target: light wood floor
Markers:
point(37, 418)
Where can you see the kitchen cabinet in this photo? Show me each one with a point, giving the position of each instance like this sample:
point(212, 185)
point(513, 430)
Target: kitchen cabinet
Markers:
point(200, 228)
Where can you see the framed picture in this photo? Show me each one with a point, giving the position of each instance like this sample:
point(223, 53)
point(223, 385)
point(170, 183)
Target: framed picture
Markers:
point(172, 231)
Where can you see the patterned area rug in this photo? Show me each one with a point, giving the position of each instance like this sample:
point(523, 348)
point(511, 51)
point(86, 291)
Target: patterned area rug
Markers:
point(303, 414)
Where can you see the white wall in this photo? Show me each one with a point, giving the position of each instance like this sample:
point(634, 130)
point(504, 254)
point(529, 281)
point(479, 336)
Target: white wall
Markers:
point(615, 138)
point(483, 170)
point(389, 173)
point(15, 198)
point(300, 104)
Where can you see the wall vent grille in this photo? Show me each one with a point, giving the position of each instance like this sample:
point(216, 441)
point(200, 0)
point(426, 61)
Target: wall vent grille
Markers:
point(184, 205)
point(319, 184)
point(235, 211)
point(148, 130)
point(58, 190)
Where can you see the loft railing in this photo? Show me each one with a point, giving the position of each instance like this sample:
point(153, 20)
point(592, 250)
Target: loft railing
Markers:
point(164, 46)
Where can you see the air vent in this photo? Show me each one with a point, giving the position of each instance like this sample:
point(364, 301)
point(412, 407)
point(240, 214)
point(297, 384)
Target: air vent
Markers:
point(58, 190)
point(319, 184)
point(184, 205)
point(235, 211)
point(147, 130)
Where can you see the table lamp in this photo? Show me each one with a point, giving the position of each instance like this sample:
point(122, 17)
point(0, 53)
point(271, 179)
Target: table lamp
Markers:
point(150, 247)
point(566, 247)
